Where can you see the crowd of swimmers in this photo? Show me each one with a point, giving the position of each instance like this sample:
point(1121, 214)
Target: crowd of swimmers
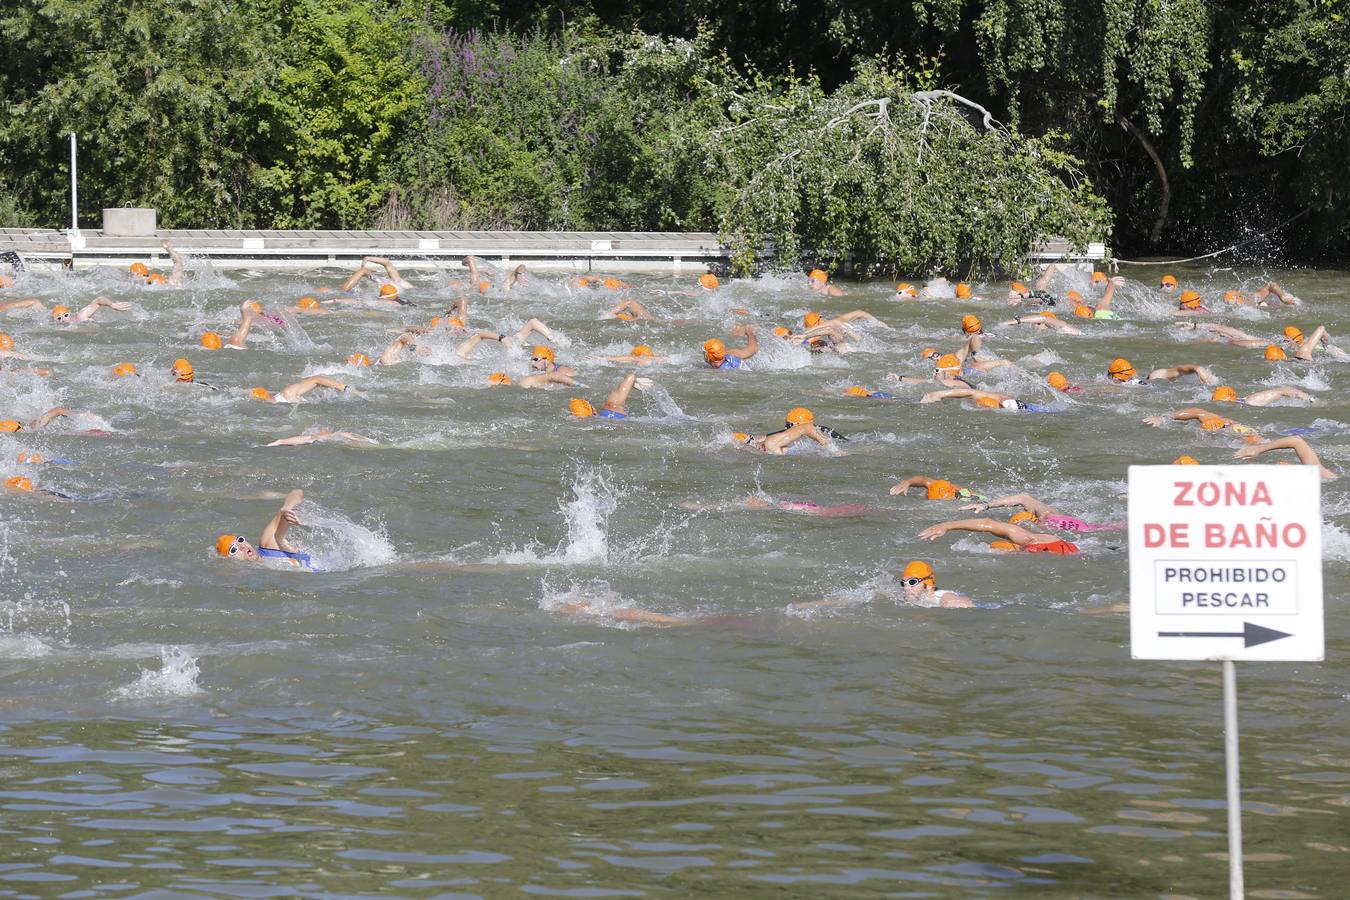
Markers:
point(1033, 526)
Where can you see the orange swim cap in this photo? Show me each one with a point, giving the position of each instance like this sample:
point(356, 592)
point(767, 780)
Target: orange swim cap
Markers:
point(59, 311)
point(920, 570)
point(1213, 423)
point(1002, 545)
point(1022, 516)
point(1168, 281)
point(1083, 311)
point(613, 284)
point(928, 353)
point(971, 324)
point(1018, 287)
point(122, 370)
point(32, 458)
point(499, 378)
point(6, 342)
point(800, 415)
point(1057, 381)
point(987, 403)
point(708, 281)
point(941, 489)
point(543, 352)
point(855, 391)
point(388, 290)
point(1185, 461)
point(714, 349)
point(1098, 276)
point(156, 278)
point(211, 341)
point(818, 275)
point(1224, 394)
point(780, 331)
point(454, 321)
point(906, 290)
point(139, 268)
point(740, 436)
point(182, 370)
point(1075, 296)
point(1190, 300)
point(963, 291)
point(308, 303)
point(811, 319)
point(1049, 314)
point(1120, 370)
point(1294, 334)
point(484, 286)
point(1275, 354)
point(580, 408)
point(19, 483)
point(9, 426)
point(1233, 297)
point(254, 305)
point(949, 363)
point(225, 542)
point(262, 394)
point(624, 317)
point(642, 350)
point(358, 359)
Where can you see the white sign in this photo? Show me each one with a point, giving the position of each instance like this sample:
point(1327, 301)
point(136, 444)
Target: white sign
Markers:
point(1226, 562)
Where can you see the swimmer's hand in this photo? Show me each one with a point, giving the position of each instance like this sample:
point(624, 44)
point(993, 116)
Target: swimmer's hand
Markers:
point(290, 518)
point(1155, 421)
point(976, 507)
point(933, 532)
point(1248, 453)
point(120, 305)
point(643, 384)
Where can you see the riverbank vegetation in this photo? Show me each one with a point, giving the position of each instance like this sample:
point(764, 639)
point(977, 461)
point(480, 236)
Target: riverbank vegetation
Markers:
point(925, 135)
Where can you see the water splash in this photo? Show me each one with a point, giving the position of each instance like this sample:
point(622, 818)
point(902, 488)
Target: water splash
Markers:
point(337, 543)
point(176, 677)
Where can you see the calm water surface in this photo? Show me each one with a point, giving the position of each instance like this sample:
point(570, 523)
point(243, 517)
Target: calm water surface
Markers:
point(422, 720)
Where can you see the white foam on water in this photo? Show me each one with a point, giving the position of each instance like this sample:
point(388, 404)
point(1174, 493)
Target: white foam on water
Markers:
point(336, 543)
point(23, 646)
point(1335, 542)
point(586, 516)
point(176, 677)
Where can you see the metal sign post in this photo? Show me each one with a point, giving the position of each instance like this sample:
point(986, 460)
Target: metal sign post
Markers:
point(1226, 564)
point(76, 239)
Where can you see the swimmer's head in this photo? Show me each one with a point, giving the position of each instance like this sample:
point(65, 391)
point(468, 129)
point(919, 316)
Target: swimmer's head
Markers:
point(1002, 545)
point(388, 291)
point(715, 351)
point(1233, 297)
point(1120, 370)
point(9, 426)
point(6, 342)
point(740, 437)
point(1189, 300)
point(641, 351)
point(962, 291)
point(182, 370)
point(123, 370)
point(624, 316)
point(811, 319)
point(139, 269)
point(906, 290)
point(1018, 287)
point(1098, 277)
point(235, 546)
point(308, 303)
point(1224, 394)
point(818, 275)
point(917, 578)
point(1185, 461)
point(580, 408)
point(1168, 282)
point(156, 278)
point(484, 286)
point(358, 359)
point(929, 353)
point(613, 284)
point(971, 324)
point(61, 313)
point(262, 394)
point(255, 306)
point(1274, 353)
point(1074, 296)
point(800, 415)
point(1083, 311)
point(1213, 423)
point(19, 483)
point(948, 364)
point(941, 489)
point(781, 332)
point(708, 281)
point(497, 378)
point(453, 321)
point(211, 341)
point(1294, 335)
point(855, 391)
point(1022, 516)
point(1057, 381)
point(31, 458)
point(542, 358)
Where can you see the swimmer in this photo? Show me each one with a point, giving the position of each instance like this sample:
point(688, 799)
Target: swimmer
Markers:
point(273, 543)
point(7, 349)
point(613, 407)
point(1167, 284)
point(984, 399)
point(623, 614)
point(22, 484)
point(821, 338)
point(1102, 309)
point(1305, 453)
point(1306, 346)
point(1209, 421)
point(1012, 537)
point(537, 380)
point(26, 303)
point(811, 320)
point(708, 283)
point(1039, 512)
point(309, 305)
point(934, 488)
point(1174, 372)
point(719, 356)
point(630, 310)
point(818, 282)
point(176, 273)
point(516, 276)
point(1225, 394)
point(966, 353)
point(248, 317)
point(1121, 372)
point(1037, 295)
point(777, 443)
point(860, 391)
point(1044, 322)
point(10, 426)
point(1271, 289)
point(640, 355)
point(292, 393)
point(1189, 304)
point(920, 589)
point(544, 360)
point(184, 373)
point(389, 290)
point(321, 435)
point(1060, 382)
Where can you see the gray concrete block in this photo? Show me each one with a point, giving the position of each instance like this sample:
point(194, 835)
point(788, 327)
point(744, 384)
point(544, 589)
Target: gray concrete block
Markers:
point(129, 222)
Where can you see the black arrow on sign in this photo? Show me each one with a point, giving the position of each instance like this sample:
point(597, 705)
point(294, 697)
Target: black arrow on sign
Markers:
point(1251, 635)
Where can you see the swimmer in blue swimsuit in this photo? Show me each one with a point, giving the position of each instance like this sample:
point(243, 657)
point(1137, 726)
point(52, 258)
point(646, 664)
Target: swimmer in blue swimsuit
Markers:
point(613, 407)
point(273, 543)
point(719, 356)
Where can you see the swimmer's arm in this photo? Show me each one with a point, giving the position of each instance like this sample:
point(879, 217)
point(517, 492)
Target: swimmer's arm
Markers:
point(175, 276)
point(460, 308)
point(971, 347)
point(517, 276)
point(355, 278)
point(1026, 501)
point(1006, 530)
point(751, 342)
point(1106, 298)
point(274, 535)
point(51, 415)
point(632, 306)
point(394, 276)
point(1270, 395)
point(949, 394)
point(353, 438)
point(1306, 455)
point(464, 349)
point(1044, 281)
point(29, 303)
point(1193, 412)
point(395, 350)
point(87, 313)
point(534, 325)
point(857, 314)
point(296, 440)
point(953, 600)
point(902, 487)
